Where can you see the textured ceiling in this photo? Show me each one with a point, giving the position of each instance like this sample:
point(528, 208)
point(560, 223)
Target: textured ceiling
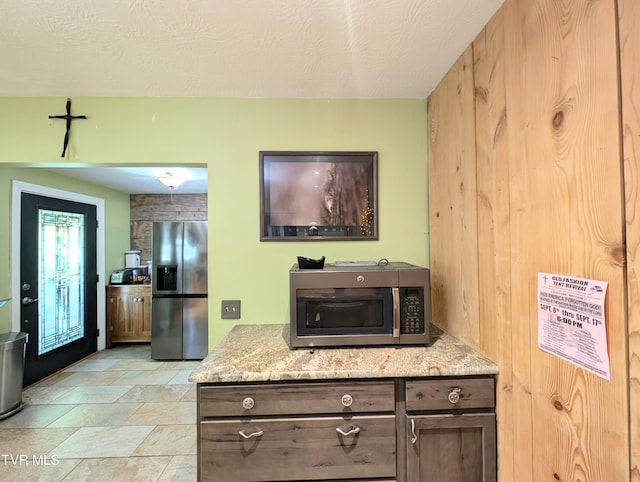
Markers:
point(229, 48)
point(234, 48)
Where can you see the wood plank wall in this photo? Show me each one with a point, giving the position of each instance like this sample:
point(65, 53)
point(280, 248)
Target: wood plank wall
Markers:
point(526, 176)
point(147, 208)
point(629, 15)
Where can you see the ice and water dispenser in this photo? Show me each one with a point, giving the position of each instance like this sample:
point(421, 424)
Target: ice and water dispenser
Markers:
point(166, 277)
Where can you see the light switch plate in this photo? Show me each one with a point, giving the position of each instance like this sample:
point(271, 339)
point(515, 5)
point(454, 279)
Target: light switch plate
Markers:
point(230, 310)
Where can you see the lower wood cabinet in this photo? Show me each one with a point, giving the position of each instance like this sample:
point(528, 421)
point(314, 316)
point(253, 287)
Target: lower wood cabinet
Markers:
point(128, 314)
point(435, 430)
point(452, 430)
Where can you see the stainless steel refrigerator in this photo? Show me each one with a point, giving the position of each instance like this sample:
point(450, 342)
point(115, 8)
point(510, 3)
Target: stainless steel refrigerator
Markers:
point(179, 314)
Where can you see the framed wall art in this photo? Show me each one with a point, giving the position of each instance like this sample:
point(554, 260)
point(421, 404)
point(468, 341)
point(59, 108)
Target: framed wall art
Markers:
point(315, 196)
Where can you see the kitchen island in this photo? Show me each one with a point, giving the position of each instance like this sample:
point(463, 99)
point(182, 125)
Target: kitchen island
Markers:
point(267, 412)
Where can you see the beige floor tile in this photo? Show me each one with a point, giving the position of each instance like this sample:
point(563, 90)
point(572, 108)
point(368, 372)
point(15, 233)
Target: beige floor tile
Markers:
point(77, 379)
point(129, 469)
point(191, 395)
point(98, 442)
point(97, 415)
point(140, 351)
point(164, 413)
point(39, 469)
point(182, 377)
point(91, 365)
point(169, 440)
point(94, 394)
point(154, 393)
point(144, 377)
point(86, 422)
point(179, 365)
point(135, 364)
point(43, 394)
point(35, 416)
point(181, 469)
point(52, 380)
point(32, 441)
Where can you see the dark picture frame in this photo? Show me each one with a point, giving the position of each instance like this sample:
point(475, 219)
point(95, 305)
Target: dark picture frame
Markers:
point(318, 196)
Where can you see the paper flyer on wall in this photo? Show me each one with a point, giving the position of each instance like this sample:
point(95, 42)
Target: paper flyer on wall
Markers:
point(571, 323)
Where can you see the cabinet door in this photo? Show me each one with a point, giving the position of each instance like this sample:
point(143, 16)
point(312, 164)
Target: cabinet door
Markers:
point(323, 448)
point(128, 313)
point(144, 313)
point(124, 316)
point(452, 448)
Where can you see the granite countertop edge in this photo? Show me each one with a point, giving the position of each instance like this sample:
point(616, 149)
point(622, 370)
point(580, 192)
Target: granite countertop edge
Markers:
point(261, 353)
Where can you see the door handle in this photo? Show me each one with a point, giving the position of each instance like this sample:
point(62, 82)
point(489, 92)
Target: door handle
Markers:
point(414, 437)
point(27, 301)
point(257, 433)
point(396, 312)
point(352, 430)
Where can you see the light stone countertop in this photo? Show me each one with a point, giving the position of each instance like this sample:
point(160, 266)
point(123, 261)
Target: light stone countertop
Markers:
point(259, 353)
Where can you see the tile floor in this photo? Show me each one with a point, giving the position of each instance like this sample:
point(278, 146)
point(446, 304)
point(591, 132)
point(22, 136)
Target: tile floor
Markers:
point(117, 415)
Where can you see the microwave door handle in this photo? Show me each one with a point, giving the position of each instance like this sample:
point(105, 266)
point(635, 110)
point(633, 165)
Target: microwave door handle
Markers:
point(396, 312)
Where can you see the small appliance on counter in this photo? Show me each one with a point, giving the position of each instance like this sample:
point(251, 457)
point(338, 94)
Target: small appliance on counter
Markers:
point(129, 276)
point(122, 276)
point(359, 303)
point(132, 259)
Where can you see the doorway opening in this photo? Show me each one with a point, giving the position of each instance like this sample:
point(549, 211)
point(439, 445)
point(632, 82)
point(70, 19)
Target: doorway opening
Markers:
point(99, 174)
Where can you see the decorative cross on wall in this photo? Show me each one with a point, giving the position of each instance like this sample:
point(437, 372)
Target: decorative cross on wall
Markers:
point(68, 117)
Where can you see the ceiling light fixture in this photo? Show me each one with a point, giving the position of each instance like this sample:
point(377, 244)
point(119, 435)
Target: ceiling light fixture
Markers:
point(171, 181)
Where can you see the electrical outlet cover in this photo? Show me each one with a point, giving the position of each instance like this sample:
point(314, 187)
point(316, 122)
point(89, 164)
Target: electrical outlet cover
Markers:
point(230, 310)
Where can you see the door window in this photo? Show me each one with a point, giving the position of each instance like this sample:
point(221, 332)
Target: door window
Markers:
point(61, 274)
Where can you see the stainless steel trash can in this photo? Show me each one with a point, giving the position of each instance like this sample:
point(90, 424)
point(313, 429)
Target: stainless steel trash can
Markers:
point(12, 348)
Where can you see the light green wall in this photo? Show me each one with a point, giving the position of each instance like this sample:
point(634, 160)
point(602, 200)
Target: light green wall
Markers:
point(226, 135)
point(116, 220)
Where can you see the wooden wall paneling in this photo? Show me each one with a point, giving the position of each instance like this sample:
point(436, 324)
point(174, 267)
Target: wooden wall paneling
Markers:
point(629, 28)
point(147, 208)
point(519, 231)
point(494, 262)
point(564, 164)
point(452, 203)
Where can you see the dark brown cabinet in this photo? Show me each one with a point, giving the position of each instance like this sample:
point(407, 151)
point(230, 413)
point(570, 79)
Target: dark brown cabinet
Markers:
point(297, 431)
point(128, 314)
point(435, 430)
point(451, 427)
point(452, 448)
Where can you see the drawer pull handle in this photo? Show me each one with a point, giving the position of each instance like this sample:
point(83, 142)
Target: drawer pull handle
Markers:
point(347, 400)
point(454, 395)
point(414, 437)
point(259, 433)
point(248, 403)
point(353, 431)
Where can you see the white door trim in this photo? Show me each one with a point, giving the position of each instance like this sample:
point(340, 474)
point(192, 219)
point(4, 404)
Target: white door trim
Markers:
point(17, 188)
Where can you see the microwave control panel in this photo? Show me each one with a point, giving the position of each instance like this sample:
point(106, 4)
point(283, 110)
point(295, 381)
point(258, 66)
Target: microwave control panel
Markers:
point(411, 311)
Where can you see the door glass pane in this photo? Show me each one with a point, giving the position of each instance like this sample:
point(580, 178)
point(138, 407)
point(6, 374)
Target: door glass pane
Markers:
point(61, 278)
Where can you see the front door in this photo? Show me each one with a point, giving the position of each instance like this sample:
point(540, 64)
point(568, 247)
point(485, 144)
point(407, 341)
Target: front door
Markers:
point(58, 283)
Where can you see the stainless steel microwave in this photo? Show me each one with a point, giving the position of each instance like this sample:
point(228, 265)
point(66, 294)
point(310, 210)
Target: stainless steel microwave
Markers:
point(348, 304)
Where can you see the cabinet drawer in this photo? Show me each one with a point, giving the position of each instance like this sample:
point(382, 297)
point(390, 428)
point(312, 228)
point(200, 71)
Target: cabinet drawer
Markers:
point(298, 448)
point(296, 399)
point(450, 394)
